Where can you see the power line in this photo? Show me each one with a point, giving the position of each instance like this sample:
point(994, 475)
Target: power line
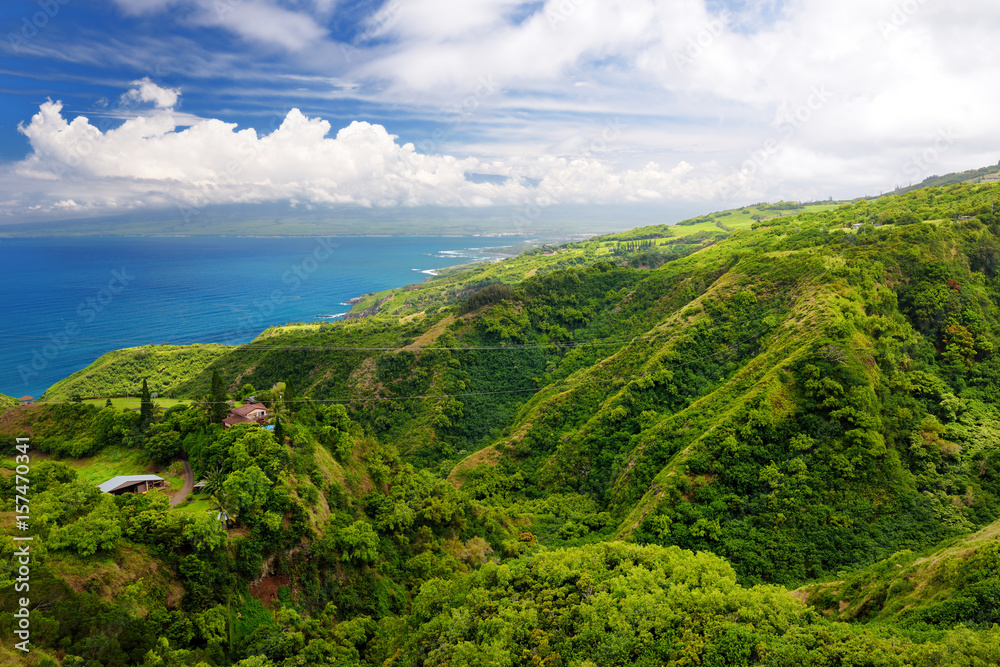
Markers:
point(643, 338)
point(557, 385)
point(338, 348)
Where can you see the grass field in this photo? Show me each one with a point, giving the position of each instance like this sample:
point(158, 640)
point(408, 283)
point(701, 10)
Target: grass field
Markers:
point(743, 218)
point(110, 462)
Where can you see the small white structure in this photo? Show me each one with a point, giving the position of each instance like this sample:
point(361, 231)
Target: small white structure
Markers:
point(132, 484)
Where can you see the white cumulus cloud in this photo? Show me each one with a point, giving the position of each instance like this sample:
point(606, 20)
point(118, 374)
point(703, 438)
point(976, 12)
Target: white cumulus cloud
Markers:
point(153, 160)
point(147, 91)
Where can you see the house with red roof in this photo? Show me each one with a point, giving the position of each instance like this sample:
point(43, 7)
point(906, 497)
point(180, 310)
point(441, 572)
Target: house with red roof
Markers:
point(251, 413)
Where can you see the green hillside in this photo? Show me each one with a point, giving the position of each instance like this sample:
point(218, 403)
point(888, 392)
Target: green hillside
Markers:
point(959, 583)
point(7, 402)
point(969, 176)
point(619, 451)
point(120, 373)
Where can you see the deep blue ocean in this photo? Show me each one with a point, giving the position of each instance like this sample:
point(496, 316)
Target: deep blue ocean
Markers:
point(70, 300)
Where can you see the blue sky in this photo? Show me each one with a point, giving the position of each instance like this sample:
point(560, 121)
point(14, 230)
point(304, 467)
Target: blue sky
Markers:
point(136, 104)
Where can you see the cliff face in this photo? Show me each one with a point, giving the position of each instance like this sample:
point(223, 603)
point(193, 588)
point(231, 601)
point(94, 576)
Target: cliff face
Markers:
point(367, 312)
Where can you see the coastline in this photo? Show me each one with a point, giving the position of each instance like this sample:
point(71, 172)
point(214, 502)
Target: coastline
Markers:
point(257, 287)
point(7, 235)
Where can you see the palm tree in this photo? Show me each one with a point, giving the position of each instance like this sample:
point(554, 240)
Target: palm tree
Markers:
point(224, 508)
point(213, 480)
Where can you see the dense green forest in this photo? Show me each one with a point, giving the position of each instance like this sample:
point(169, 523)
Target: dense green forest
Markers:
point(775, 441)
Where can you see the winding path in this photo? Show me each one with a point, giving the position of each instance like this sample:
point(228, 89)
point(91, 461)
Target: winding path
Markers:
point(181, 495)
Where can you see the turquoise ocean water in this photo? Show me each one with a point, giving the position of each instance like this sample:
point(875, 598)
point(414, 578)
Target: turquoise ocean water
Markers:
point(70, 300)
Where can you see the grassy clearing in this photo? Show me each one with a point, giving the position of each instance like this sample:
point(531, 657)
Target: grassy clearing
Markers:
point(744, 218)
point(197, 504)
point(284, 328)
point(687, 230)
point(134, 403)
point(174, 484)
point(110, 462)
point(115, 461)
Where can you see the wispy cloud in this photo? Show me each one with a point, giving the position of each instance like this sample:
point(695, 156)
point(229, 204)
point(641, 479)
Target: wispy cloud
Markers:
point(259, 21)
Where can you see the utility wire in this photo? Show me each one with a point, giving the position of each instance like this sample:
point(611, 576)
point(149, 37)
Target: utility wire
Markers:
point(644, 338)
point(561, 385)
